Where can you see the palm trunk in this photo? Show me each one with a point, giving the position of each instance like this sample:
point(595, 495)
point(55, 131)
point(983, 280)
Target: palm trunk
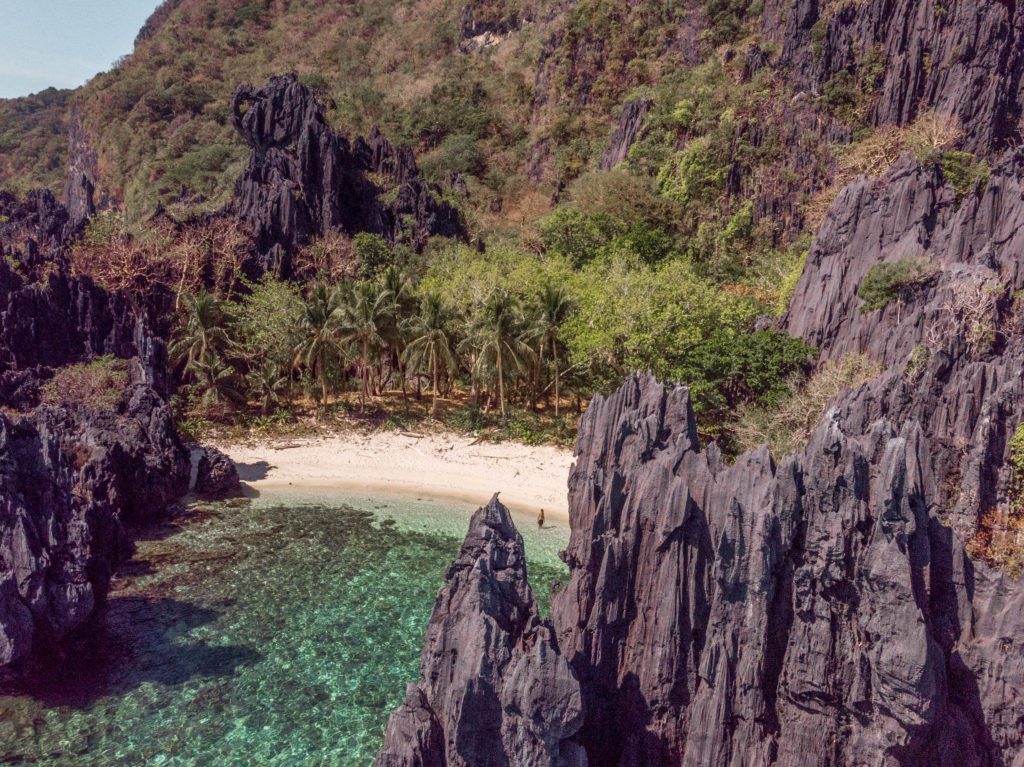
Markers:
point(501, 384)
point(433, 368)
point(322, 371)
point(366, 375)
point(554, 357)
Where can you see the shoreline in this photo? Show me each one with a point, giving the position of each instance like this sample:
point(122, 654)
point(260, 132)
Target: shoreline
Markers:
point(436, 465)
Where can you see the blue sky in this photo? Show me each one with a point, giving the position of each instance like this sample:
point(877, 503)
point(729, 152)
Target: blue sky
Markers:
point(63, 43)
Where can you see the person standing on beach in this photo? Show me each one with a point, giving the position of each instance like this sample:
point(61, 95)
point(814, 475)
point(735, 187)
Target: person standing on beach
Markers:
point(540, 519)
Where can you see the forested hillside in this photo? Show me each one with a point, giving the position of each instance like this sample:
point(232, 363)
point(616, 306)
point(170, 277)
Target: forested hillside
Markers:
point(664, 163)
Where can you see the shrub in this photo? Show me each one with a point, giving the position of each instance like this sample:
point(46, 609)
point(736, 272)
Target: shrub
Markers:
point(694, 174)
point(999, 539)
point(576, 235)
point(787, 426)
point(893, 281)
point(964, 172)
point(917, 363)
point(372, 252)
point(97, 384)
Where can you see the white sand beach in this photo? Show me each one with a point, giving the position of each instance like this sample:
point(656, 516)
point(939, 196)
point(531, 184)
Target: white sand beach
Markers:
point(436, 465)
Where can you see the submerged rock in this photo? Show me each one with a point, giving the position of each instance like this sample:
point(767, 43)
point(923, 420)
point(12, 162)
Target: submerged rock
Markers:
point(493, 689)
point(217, 475)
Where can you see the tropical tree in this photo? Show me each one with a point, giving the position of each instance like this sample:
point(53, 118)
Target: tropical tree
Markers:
point(552, 308)
point(217, 380)
point(202, 331)
point(320, 338)
point(366, 315)
point(431, 344)
point(406, 308)
point(266, 382)
point(498, 340)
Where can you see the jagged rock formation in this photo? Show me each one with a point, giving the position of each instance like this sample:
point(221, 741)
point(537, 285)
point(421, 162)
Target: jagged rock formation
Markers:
point(80, 190)
point(493, 689)
point(70, 481)
point(960, 58)
point(48, 318)
point(799, 614)
point(631, 121)
point(814, 612)
point(303, 179)
point(217, 475)
point(72, 475)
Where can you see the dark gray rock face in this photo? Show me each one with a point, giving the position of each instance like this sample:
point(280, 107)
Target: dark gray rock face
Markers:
point(217, 475)
point(804, 613)
point(631, 121)
point(954, 348)
point(73, 479)
point(959, 58)
point(303, 179)
point(70, 482)
point(493, 690)
point(49, 318)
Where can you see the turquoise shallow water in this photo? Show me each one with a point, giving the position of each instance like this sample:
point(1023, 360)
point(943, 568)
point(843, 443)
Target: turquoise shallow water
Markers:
point(268, 634)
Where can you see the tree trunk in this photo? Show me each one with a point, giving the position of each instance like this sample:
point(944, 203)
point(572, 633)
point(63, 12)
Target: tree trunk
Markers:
point(501, 384)
point(366, 376)
point(323, 379)
point(554, 357)
point(433, 368)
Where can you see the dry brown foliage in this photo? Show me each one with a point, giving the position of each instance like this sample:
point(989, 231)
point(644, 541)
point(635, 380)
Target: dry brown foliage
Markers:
point(929, 134)
point(787, 427)
point(209, 254)
point(330, 259)
point(971, 311)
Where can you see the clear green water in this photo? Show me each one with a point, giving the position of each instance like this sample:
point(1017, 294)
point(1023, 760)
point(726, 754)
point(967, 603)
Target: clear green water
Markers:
point(256, 635)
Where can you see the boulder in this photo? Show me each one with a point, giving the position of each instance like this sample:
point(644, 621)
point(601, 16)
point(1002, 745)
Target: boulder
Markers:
point(217, 476)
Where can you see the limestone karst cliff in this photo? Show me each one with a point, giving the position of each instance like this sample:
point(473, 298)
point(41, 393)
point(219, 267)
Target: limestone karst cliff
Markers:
point(74, 475)
point(304, 180)
point(823, 608)
point(493, 689)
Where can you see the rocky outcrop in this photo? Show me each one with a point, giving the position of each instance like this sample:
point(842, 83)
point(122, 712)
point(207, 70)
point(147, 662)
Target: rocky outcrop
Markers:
point(217, 475)
point(804, 613)
point(50, 319)
point(80, 191)
point(631, 121)
point(812, 612)
point(493, 688)
point(821, 609)
point(74, 475)
point(304, 180)
point(954, 345)
point(71, 480)
point(959, 58)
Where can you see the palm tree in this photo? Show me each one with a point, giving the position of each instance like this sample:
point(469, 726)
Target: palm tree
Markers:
point(202, 331)
point(366, 316)
point(406, 307)
point(553, 307)
point(432, 345)
point(320, 339)
point(498, 339)
point(265, 382)
point(217, 380)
